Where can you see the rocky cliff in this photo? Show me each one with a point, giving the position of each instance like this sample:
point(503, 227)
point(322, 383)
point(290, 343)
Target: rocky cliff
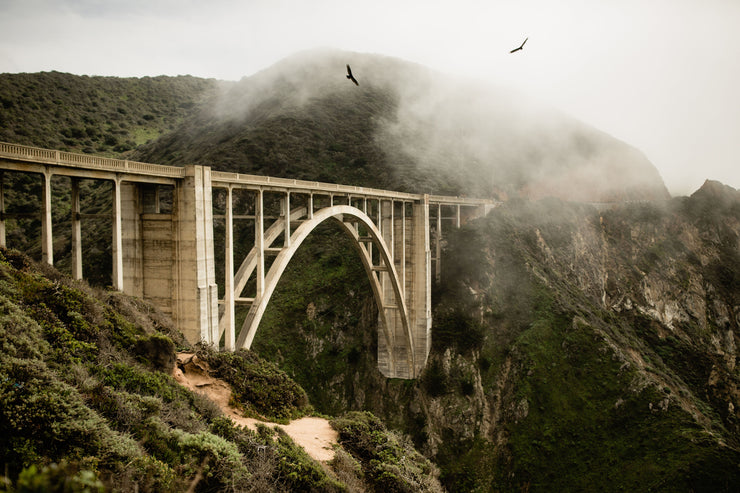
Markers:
point(574, 349)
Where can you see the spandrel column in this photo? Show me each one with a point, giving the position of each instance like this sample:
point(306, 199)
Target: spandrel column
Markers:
point(47, 243)
point(76, 231)
point(117, 246)
point(229, 314)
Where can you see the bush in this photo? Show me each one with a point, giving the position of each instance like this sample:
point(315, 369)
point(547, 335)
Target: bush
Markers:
point(42, 417)
point(258, 385)
point(389, 461)
point(456, 329)
point(62, 478)
point(157, 351)
point(299, 472)
point(435, 379)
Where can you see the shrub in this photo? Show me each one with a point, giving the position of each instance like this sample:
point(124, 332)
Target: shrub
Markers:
point(299, 472)
point(157, 351)
point(62, 478)
point(348, 470)
point(41, 416)
point(435, 379)
point(258, 385)
point(456, 329)
point(218, 461)
point(389, 461)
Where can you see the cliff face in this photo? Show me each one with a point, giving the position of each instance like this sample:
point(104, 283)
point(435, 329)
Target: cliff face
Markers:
point(631, 328)
point(573, 349)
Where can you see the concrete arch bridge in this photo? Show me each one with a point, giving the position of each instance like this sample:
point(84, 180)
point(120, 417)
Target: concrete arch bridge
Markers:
point(163, 244)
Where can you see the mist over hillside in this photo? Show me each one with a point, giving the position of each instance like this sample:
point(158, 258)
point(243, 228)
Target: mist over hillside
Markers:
point(574, 348)
point(404, 127)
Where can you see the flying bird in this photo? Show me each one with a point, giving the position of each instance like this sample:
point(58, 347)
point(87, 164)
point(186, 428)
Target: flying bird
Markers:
point(350, 77)
point(521, 47)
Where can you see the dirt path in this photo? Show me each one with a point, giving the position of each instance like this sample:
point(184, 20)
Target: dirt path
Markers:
point(315, 435)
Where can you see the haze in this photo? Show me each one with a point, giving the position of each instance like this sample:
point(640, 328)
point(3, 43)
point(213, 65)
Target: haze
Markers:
point(661, 75)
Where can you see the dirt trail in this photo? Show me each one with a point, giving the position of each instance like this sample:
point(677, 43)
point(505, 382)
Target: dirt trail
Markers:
point(315, 435)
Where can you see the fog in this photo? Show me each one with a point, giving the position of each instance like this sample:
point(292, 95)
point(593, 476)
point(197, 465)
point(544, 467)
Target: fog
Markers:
point(432, 129)
point(659, 75)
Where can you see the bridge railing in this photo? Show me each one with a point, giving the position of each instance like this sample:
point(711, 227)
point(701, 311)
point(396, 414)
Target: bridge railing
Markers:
point(62, 158)
point(84, 161)
point(307, 186)
point(333, 188)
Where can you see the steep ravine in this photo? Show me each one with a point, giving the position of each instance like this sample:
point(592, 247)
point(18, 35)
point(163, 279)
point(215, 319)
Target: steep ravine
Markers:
point(574, 349)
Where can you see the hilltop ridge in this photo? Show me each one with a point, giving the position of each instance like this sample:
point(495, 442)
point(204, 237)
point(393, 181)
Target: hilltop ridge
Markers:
point(405, 127)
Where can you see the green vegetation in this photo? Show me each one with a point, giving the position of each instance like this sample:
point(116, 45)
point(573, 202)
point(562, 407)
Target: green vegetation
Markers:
point(97, 115)
point(458, 330)
point(388, 462)
point(258, 387)
point(573, 349)
point(319, 341)
point(105, 116)
point(580, 421)
point(578, 409)
point(88, 403)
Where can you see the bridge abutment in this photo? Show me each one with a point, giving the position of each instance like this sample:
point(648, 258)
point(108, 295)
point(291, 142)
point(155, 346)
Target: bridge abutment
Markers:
point(168, 258)
point(196, 310)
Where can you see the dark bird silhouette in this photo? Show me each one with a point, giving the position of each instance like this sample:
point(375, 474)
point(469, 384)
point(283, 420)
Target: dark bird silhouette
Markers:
point(350, 77)
point(521, 47)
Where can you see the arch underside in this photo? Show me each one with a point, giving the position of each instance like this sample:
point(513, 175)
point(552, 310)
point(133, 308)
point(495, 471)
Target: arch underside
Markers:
point(392, 307)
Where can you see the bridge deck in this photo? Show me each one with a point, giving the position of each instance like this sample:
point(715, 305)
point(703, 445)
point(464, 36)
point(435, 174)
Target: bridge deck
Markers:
point(14, 153)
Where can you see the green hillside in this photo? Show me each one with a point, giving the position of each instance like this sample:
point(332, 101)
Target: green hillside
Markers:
point(88, 403)
point(572, 349)
point(575, 347)
point(97, 115)
point(404, 128)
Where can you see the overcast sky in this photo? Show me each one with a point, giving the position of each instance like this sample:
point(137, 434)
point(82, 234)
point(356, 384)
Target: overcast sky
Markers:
point(662, 75)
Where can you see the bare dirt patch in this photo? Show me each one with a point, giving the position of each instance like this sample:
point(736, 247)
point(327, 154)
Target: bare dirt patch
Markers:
point(315, 435)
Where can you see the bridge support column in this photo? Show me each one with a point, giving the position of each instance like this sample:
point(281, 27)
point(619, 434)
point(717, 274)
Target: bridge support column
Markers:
point(117, 245)
point(150, 269)
point(420, 304)
point(438, 246)
point(76, 231)
point(2, 210)
point(229, 308)
point(132, 242)
point(259, 240)
point(196, 310)
point(47, 243)
point(408, 238)
point(401, 366)
point(285, 212)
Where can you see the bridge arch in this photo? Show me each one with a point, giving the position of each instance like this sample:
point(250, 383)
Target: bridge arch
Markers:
point(350, 218)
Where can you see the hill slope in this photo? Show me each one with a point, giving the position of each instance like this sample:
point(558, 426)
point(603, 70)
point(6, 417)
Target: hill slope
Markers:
point(404, 127)
point(99, 115)
point(88, 403)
